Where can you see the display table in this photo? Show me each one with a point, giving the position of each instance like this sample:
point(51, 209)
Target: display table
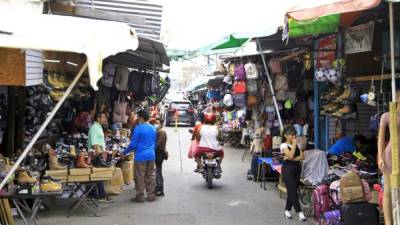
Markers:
point(269, 161)
point(81, 191)
point(21, 204)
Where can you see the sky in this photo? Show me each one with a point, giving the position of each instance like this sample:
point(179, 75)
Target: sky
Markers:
point(192, 24)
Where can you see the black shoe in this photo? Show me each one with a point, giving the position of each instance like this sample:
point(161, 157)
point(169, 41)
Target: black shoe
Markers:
point(99, 162)
point(160, 193)
point(137, 200)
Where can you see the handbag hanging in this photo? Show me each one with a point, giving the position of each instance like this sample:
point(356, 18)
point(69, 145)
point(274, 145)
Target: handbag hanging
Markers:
point(275, 66)
point(119, 112)
point(121, 78)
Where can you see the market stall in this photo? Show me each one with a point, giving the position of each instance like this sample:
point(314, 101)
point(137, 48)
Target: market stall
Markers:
point(60, 107)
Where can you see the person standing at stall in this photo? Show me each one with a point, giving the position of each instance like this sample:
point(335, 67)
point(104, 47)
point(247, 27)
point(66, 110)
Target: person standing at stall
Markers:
point(385, 160)
point(143, 143)
point(291, 171)
point(161, 155)
point(96, 141)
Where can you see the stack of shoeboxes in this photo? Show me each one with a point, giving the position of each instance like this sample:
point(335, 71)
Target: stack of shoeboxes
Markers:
point(61, 175)
point(99, 174)
point(82, 174)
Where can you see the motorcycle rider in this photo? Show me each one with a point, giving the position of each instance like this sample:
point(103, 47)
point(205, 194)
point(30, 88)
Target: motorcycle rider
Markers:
point(208, 141)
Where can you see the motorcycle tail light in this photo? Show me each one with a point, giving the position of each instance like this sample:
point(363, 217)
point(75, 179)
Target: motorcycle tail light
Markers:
point(210, 155)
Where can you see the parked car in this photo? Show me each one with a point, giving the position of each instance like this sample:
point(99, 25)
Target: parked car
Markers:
point(180, 112)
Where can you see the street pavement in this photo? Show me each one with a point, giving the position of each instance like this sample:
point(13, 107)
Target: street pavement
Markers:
point(233, 200)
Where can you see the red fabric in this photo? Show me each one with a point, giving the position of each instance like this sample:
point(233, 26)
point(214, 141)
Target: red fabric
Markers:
point(193, 149)
point(239, 87)
point(201, 150)
point(267, 142)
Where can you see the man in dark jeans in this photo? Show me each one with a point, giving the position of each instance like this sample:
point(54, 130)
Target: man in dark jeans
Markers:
point(161, 155)
point(96, 141)
point(143, 143)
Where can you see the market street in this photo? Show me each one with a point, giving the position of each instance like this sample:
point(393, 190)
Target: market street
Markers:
point(234, 200)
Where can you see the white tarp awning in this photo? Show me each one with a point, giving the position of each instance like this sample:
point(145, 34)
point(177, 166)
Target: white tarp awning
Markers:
point(97, 39)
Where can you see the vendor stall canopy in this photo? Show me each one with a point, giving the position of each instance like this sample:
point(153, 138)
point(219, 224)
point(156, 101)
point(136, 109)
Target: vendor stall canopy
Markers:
point(315, 17)
point(150, 54)
point(96, 39)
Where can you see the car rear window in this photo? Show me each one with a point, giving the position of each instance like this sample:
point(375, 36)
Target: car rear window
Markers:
point(180, 105)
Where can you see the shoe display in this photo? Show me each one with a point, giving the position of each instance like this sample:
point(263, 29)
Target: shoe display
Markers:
point(50, 186)
point(53, 161)
point(24, 178)
point(98, 161)
point(80, 161)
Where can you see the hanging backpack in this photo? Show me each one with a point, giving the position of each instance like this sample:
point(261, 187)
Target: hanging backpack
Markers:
point(275, 66)
point(121, 78)
point(331, 217)
point(351, 188)
point(276, 141)
point(150, 84)
point(135, 82)
point(280, 82)
point(251, 71)
point(267, 142)
point(321, 201)
point(251, 86)
point(108, 75)
point(374, 122)
point(240, 100)
point(228, 100)
point(251, 100)
point(239, 87)
point(240, 72)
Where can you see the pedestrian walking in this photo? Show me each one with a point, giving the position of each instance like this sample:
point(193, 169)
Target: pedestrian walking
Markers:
point(143, 143)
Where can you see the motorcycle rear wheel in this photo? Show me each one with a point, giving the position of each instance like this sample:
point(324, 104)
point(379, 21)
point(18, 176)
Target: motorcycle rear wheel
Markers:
point(209, 177)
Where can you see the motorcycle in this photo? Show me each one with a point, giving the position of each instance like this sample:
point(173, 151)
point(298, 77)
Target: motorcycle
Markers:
point(210, 165)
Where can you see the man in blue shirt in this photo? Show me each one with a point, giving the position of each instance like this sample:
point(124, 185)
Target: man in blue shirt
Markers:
point(345, 144)
point(143, 143)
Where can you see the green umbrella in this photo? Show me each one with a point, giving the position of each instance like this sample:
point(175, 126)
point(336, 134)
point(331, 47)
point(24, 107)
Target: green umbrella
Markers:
point(231, 42)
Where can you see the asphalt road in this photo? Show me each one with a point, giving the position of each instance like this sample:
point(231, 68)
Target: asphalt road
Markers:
point(234, 200)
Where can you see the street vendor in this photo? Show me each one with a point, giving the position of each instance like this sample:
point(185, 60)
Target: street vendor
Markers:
point(96, 142)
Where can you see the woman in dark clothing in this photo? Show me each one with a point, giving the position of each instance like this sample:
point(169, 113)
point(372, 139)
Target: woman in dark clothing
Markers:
point(291, 171)
point(161, 155)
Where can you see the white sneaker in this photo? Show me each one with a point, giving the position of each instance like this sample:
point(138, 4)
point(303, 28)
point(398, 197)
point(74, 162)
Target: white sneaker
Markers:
point(302, 218)
point(287, 215)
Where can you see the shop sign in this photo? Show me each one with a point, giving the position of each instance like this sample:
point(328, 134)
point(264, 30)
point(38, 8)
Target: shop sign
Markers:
point(326, 51)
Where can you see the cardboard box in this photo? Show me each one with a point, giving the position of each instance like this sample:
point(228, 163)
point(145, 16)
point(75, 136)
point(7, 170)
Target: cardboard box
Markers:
point(103, 169)
point(55, 173)
point(78, 178)
point(80, 171)
point(101, 174)
point(100, 178)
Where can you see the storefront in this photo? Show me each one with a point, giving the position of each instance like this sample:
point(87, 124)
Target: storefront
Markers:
point(52, 100)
